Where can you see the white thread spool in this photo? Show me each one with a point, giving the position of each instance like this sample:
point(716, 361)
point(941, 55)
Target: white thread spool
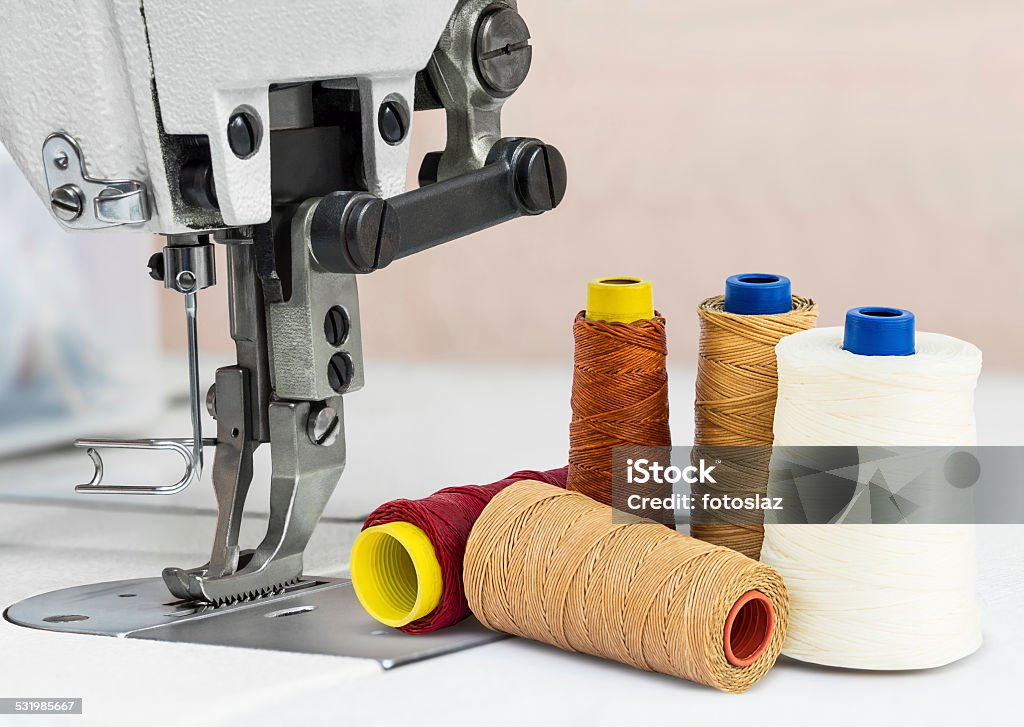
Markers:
point(876, 596)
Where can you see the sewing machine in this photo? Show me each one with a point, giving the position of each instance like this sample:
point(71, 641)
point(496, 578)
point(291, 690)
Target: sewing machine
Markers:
point(279, 130)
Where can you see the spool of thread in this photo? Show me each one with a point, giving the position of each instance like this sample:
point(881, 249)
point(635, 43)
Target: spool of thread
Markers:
point(891, 596)
point(406, 564)
point(554, 566)
point(735, 396)
point(619, 387)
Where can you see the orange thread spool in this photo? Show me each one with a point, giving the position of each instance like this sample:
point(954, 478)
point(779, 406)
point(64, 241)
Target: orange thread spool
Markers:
point(619, 389)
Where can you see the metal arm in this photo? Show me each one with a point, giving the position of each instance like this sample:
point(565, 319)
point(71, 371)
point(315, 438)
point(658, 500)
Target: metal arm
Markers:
point(357, 232)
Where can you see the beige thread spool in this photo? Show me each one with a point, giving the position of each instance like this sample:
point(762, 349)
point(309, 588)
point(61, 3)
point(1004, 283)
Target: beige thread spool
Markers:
point(554, 566)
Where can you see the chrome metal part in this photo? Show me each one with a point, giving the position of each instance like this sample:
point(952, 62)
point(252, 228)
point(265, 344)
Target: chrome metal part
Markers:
point(211, 401)
point(472, 41)
point(246, 416)
point(304, 476)
point(189, 268)
point(314, 616)
point(503, 52)
point(191, 450)
point(82, 202)
point(66, 202)
point(300, 354)
point(247, 315)
point(232, 475)
point(323, 426)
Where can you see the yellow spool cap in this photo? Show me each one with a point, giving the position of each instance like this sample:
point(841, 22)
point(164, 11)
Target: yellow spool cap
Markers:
point(621, 299)
point(395, 573)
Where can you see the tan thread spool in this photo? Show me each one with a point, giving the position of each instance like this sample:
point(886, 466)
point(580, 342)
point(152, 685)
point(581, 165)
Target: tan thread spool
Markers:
point(737, 384)
point(554, 566)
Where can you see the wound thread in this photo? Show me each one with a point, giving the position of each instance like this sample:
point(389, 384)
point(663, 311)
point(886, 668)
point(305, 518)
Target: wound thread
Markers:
point(445, 519)
point(737, 384)
point(619, 399)
point(554, 566)
point(877, 596)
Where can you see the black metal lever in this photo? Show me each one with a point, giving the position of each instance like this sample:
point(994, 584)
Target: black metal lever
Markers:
point(358, 232)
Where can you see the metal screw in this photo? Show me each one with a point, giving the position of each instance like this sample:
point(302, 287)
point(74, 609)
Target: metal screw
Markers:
point(60, 160)
point(339, 371)
point(541, 177)
point(66, 202)
point(323, 427)
point(391, 122)
point(211, 401)
point(243, 134)
point(503, 52)
point(336, 325)
point(371, 233)
point(186, 281)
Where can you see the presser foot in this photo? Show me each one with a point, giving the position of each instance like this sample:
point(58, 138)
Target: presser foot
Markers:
point(306, 469)
point(197, 585)
point(190, 584)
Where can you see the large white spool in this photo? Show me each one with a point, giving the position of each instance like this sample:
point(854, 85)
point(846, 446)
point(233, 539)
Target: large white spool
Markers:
point(876, 596)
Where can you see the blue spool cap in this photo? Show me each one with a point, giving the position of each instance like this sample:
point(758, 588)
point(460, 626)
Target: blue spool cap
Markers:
point(878, 331)
point(758, 294)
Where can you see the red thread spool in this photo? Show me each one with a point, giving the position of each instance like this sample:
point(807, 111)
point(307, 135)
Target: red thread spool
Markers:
point(446, 518)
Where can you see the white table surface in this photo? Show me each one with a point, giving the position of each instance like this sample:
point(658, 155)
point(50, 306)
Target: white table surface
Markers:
point(412, 430)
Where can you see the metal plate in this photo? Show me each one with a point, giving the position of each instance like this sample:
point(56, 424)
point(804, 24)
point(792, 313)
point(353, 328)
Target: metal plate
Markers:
point(313, 617)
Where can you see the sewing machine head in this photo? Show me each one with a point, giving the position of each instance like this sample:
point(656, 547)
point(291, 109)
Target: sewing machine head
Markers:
point(184, 99)
point(281, 131)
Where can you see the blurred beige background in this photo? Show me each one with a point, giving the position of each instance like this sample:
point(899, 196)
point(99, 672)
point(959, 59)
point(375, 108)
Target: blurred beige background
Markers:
point(872, 150)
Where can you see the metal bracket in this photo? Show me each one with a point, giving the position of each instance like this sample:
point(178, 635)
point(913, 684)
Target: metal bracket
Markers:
point(83, 203)
point(306, 363)
point(481, 59)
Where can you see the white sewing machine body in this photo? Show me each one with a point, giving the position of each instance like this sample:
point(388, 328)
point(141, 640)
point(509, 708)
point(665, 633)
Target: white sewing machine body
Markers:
point(124, 78)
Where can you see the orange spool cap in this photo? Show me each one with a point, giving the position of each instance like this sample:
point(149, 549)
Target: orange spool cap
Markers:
point(748, 628)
